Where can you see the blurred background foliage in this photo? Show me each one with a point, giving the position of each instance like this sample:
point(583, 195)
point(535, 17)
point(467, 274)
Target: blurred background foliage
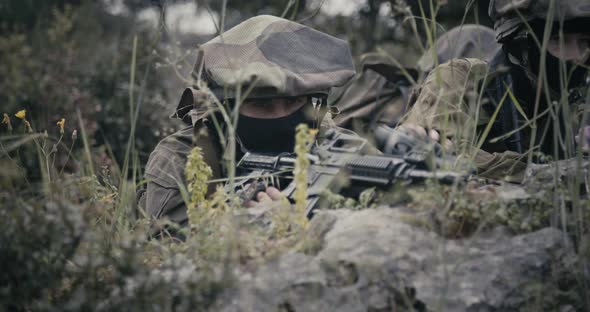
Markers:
point(59, 56)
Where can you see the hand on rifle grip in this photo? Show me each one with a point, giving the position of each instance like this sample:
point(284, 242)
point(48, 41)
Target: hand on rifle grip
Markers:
point(269, 195)
point(431, 133)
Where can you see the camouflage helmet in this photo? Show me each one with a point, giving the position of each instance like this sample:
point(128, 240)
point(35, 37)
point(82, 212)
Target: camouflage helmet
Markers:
point(274, 57)
point(510, 15)
point(473, 41)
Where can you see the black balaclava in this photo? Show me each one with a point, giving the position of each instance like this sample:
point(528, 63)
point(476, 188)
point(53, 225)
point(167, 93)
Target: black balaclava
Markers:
point(272, 135)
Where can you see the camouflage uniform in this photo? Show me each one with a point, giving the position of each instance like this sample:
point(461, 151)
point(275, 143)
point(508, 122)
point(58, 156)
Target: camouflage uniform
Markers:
point(378, 94)
point(269, 56)
point(381, 91)
point(449, 98)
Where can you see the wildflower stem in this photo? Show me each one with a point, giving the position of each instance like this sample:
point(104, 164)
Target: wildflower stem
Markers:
point(53, 152)
point(85, 141)
point(67, 158)
point(48, 168)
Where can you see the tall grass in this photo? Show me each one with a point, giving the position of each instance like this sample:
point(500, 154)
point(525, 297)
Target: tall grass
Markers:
point(569, 201)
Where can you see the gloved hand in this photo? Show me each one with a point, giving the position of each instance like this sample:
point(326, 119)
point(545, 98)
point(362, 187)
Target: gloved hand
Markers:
point(271, 194)
point(447, 98)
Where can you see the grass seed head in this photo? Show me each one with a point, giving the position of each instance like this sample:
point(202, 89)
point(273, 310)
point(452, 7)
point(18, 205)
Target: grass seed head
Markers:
point(197, 174)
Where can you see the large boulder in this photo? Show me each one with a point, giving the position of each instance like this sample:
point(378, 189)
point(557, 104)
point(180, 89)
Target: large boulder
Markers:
point(375, 260)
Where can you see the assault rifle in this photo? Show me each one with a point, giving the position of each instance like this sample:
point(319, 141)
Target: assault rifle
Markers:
point(346, 163)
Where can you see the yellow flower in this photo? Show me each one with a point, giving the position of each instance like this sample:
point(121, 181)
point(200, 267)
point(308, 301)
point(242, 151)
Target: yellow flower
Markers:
point(21, 114)
point(61, 123)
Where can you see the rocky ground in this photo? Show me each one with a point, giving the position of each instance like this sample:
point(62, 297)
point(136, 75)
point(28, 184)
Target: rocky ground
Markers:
point(391, 259)
point(482, 246)
point(371, 260)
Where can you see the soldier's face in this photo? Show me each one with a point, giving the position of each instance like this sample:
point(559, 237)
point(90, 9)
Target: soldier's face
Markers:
point(573, 47)
point(271, 108)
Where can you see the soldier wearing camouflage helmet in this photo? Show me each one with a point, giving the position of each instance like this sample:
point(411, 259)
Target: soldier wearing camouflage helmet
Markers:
point(279, 71)
point(464, 41)
point(380, 92)
point(533, 88)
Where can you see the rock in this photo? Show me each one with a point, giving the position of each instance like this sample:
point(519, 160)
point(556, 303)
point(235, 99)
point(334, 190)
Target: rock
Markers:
point(320, 225)
point(293, 282)
point(258, 216)
point(513, 193)
point(538, 177)
point(371, 260)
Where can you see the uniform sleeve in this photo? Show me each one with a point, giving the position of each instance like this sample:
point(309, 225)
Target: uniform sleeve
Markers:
point(448, 102)
point(163, 201)
point(157, 202)
point(164, 173)
point(508, 166)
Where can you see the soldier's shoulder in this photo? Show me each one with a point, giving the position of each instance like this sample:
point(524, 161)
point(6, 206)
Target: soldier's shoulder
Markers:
point(179, 142)
point(166, 163)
